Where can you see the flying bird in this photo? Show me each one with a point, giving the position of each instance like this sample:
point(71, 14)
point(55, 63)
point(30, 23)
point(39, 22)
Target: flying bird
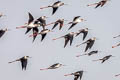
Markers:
point(43, 34)
point(77, 74)
point(89, 53)
point(117, 75)
point(55, 6)
point(116, 36)
point(31, 23)
point(60, 22)
point(116, 45)
point(89, 43)
point(75, 21)
point(2, 32)
point(84, 32)
point(23, 60)
point(104, 58)
point(1, 15)
point(68, 37)
point(54, 66)
point(101, 3)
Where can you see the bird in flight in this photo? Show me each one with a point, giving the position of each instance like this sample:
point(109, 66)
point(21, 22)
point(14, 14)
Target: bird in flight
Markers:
point(101, 3)
point(84, 32)
point(55, 6)
point(77, 75)
point(23, 60)
point(68, 37)
point(2, 32)
point(89, 53)
point(60, 22)
point(104, 58)
point(89, 43)
point(43, 34)
point(1, 15)
point(75, 21)
point(54, 66)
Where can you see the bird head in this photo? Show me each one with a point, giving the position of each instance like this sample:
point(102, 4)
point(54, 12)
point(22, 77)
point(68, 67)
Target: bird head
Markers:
point(26, 57)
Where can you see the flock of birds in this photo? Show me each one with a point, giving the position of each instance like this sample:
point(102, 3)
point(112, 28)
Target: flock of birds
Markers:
point(34, 24)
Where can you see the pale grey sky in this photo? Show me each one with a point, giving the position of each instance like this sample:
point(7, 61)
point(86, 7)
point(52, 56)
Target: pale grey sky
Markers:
point(15, 44)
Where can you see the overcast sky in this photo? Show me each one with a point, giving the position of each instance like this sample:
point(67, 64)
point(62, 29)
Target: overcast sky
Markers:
point(104, 23)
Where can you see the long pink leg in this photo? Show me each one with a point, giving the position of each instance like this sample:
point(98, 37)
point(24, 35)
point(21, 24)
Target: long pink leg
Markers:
point(44, 69)
point(92, 4)
point(20, 27)
point(67, 74)
point(44, 7)
point(57, 38)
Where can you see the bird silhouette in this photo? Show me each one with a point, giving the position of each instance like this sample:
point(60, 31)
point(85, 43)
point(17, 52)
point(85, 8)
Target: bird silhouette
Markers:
point(23, 60)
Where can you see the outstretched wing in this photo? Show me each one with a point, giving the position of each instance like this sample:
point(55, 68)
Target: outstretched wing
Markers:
point(84, 34)
point(28, 29)
point(43, 36)
point(89, 45)
point(103, 3)
point(71, 39)
point(98, 5)
point(61, 24)
point(54, 10)
point(30, 18)
point(66, 41)
point(24, 63)
point(72, 26)
point(56, 23)
point(35, 31)
point(1, 33)
point(76, 77)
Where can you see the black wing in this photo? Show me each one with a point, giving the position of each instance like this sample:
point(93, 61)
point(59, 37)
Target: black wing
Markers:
point(43, 36)
point(52, 66)
point(84, 34)
point(81, 74)
point(28, 29)
point(103, 61)
point(89, 45)
point(76, 77)
point(71, 39)
point(24, 63)
point(42, 20)
point(103, 3)
point(56, 23)
point(54, 10)
point(66, 41)
point(76, 18)
point(61, 24)
point(98, 5)
point(1, 33)
point(35, 31)
point(72, 26)
point(30, 18)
